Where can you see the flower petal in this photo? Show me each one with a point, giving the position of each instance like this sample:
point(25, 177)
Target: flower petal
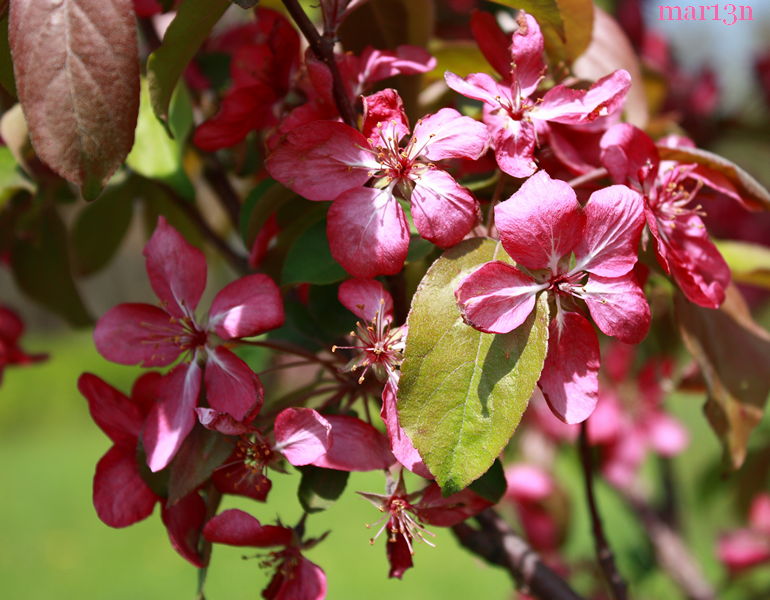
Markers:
point(302, 435)
point(448, 134)
point(173, 415)
point(235, 527)
point(528, 483)
point(514, 144)
point(321, 160)
point(496, 297)
point(478, 86)
point(306, 582)
point(384, 118)
point(246, 307)
point(364, 297)
point(400, 444)
point(445, 511)
point(541, 222)
point(566, 105)
point(176, 268)
point(221, 421)
point(231, 385)
point(236, 478)
point(368, 233)
point(610, 242)
point(759, 513)
point(630, 156)
point(399, 556)
point(377, 65)
point(138, 334)
point(742, 549)
point(121, 497)
point(526, 59)
point(184, 521)
point(443, 211)
point(618, 307)
point(667, 436)
point(356, 446)
point(570, 378)
point(114, 413)
point(243, 109)
point(685, 250)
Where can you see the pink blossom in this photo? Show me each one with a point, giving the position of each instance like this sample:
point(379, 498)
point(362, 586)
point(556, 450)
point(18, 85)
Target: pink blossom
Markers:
point(294, 577)
point(529, 488)
point(120, 494)
point(152, 336)
point(682, 246)
point(514, 115)
point(405, 514)
point(358, 74)
point(11, 330)
point(265, 56)
point(541, 226)
point(743, 549)
point(367, 228)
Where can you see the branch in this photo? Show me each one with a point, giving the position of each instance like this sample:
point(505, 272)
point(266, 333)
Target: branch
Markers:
point(324, 52)
point(238, 262)
point(496, 543)
point(216, 177)
point(671, 551)
point(603, 552)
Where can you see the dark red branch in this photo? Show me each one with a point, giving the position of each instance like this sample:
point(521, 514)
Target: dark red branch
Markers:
point(496, 543)
point(603, 552)
point(323, 48)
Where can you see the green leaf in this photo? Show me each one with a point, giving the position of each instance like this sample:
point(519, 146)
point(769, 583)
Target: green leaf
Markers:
point(191, 26)
point(733, 353)
point(155, 154)
point(320, 488)
point(264, 200)
point(100, 227)
point(578, 17)
point(461, 57)
point(751, 191)
point(202, 451)
point(491, 485)
point(749, 263)
point(157, 201)
point(41, 268)
point(462, 392)
point(309, 260)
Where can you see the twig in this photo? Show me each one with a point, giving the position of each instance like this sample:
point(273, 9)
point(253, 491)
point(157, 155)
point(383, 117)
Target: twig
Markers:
point(238, 262)
point(216, 177)
point(496, 543)
point(324, 51)
point(671, 551)
point(603, 552)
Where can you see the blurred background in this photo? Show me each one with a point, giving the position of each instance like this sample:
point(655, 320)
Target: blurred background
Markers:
point(713, 77)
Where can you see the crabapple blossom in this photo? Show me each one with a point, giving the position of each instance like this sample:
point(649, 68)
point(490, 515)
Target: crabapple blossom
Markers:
point(366, 226)
point(11, 330)
point(514, 114)
point(743, 549)
point(541, 226)
point(152, 337)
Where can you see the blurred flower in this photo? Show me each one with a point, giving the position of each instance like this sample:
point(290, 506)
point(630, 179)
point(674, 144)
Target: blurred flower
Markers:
point(746, 548)
point(11, 330)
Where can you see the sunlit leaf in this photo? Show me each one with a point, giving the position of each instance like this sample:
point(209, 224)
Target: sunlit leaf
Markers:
point(462, 392)
point(155, 154)
point(749, 263)
point(76, 65)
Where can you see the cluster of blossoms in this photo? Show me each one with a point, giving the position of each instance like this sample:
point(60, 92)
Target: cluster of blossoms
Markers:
point(201, 426)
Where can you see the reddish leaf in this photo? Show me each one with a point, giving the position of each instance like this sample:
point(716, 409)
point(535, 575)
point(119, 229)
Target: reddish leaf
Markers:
point(201, 453)
point(77, 76)
point(733, 353)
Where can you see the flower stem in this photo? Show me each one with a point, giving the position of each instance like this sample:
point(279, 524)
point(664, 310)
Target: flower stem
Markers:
point(324, 51)
point(604, 554)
